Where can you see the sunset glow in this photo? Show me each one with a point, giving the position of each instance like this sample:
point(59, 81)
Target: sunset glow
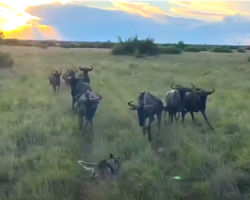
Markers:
point(14, 21)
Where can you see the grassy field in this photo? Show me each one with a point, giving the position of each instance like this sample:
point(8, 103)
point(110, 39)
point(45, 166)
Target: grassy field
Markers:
point(40, 142)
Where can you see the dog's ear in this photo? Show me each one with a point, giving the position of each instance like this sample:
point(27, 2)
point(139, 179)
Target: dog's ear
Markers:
point(111, 156)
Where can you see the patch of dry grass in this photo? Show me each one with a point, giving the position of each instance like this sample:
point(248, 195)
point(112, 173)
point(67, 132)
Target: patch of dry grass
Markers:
point(40, 142)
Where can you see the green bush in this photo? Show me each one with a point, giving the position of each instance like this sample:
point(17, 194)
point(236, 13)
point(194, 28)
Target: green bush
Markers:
point(181, 45)
point(133, 45)
point(247, 48)
point(170, 50)
point(5, 60)
point(241, 51)
point(192, 49)
point(221, 50)
point(202, 48)
point(248, 59)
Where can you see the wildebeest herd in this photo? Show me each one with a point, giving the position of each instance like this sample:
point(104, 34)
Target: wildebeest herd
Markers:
point(179, 101)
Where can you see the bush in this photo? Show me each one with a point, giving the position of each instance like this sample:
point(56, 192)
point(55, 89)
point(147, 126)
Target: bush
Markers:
point(202, 48)
point(221, 50)
point(192, 49)
point(170, 50)
point(5, 60)
point(241, 51)
point(134, 45)
point(247, 48)
point(248, 59)
point(181, 45)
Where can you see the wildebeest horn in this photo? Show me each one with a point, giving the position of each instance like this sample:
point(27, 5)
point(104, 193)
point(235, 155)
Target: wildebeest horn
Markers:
point(193, 85)
point(80, 68)
point(52, 71)
point(60, 71)
point(173, 87)
point(212, 89)
point(133, 106)
point(69, 77)
point(99, 98)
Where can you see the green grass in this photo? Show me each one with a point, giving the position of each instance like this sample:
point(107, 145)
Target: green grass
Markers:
point(40, 142)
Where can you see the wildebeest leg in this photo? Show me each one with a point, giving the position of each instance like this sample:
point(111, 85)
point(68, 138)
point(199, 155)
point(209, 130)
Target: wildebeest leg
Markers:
point(159, 120)
point(86, 124)
point(192, 115)
point(165, 112)
point(54, 88)
point(80, 119)
point(151, 119)
point(183, 113)
point(205, 117)
point(175, 118)
point(73, 103)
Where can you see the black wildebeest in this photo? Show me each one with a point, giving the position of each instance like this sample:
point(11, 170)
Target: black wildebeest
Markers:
point(87, 104)
point(67, 74)
point(148, 106)
point(85, 74)
point(195, 101)
point(54, 79)
point(174, 101)
point(78, 86)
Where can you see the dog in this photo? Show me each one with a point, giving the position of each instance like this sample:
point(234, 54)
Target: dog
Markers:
point(105, 169)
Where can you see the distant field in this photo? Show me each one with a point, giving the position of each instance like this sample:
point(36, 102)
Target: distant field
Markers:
point(40, 142)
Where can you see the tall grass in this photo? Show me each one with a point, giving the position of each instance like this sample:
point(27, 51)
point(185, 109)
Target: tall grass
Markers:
point(40, 142)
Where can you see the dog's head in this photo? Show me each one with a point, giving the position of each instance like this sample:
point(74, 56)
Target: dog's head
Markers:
point(114, 163)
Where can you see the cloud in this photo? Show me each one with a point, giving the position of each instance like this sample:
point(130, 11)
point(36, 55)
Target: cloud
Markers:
point(143, 9)
point(82, 23)
point(209, 10)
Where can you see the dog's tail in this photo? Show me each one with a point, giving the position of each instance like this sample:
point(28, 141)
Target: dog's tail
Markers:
point(87, 165)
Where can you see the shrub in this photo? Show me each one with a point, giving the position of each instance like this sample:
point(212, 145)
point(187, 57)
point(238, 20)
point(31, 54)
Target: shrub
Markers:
point(5, 60)
point(247, 48)
point(181, 45)
point(132, 45)
point(221, 50)
point(248, 59)
point(202, 48)
point(192, 49)
point(241, 51)
point(170, 50)
point(11, 42)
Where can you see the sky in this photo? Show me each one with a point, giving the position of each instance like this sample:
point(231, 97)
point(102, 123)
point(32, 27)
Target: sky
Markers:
point(196, 22)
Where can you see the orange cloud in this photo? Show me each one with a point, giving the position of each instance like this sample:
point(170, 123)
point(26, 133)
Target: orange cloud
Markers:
point(143, 9)
point(15, 22)
point(208, 10)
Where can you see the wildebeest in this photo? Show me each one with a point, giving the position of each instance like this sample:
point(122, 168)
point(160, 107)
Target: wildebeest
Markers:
point(77, 87)
point(148, 106)
point(174, 101)
point(67, 74)
point(84, 73)
point(87, 104)
point(195, 101)
point(54, 79)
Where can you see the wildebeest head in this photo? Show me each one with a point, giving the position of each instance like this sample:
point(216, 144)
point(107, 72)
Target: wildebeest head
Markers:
point(85, 70)
point(203, 94)
point(69, 73)
point(90, 103)
point(142, 111)
point(56, 73)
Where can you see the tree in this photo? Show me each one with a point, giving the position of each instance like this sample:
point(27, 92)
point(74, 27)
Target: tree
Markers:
point(181, 45)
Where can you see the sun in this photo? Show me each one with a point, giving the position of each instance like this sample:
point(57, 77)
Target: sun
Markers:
point(13, 16)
